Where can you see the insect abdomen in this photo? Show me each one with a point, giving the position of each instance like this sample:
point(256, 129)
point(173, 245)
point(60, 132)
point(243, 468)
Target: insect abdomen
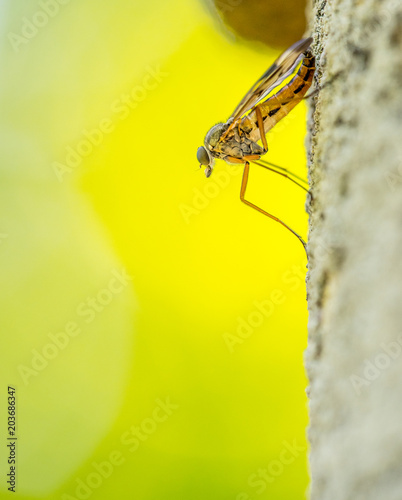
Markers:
point(280, 104)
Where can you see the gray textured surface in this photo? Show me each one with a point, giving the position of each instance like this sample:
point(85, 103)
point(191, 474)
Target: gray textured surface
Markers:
point(354, 357)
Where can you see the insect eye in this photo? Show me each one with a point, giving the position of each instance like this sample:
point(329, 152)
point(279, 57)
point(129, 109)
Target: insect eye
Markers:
point(203, 156)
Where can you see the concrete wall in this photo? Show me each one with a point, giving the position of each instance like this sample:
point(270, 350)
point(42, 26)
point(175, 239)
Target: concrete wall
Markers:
point(354, 357)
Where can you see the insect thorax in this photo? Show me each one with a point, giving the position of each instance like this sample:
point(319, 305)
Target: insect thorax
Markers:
point(236, 144)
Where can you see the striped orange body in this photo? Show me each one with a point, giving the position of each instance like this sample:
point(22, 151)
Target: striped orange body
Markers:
point(280, 104)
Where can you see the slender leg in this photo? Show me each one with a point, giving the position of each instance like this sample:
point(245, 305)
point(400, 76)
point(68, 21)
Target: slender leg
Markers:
point(280, 173)
point(312, 93)
point(288, 172)
point(318, 89)
point(260, 123)
point(315, 92)
point(242, 194)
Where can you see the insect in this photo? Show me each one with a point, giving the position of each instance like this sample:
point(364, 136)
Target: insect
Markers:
point(236, 140)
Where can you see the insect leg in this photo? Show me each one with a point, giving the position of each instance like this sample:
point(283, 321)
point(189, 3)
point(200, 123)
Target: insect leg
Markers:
point(312, 94)
point(281, 173)
point(260, 123)
point(318, 89)
point(288, 172)
point(242, 194)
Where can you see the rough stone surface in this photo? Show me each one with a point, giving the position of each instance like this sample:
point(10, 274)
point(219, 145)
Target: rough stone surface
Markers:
point(354, 356)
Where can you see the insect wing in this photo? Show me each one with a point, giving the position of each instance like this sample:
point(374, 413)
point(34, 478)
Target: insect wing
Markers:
point(275, 74)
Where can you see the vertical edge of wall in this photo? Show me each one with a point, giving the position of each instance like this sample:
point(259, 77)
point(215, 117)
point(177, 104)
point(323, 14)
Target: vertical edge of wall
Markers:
point(354, 284)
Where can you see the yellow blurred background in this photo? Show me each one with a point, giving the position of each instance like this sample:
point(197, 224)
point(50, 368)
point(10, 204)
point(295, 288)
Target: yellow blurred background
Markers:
point(153, 325)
